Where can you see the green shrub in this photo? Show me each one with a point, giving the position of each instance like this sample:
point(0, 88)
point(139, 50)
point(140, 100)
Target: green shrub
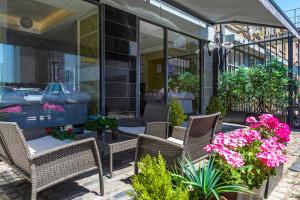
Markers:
point(186, 82)
point(176, 115)
point(216, 105)
point(154, 182)
point(261, 86)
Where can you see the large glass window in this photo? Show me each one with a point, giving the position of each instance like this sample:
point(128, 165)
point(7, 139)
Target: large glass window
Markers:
point(183, 69)
point(152, 64)
point(120, 62)
point(49, 66)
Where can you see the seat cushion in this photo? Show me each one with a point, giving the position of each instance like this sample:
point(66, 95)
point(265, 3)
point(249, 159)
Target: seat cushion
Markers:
point(133, 130)
point(44, 143)
point(175, 140)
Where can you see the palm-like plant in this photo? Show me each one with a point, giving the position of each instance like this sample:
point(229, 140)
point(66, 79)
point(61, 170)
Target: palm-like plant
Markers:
point(204, 182)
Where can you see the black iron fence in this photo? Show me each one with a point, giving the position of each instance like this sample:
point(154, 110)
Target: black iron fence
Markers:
point(281, 47)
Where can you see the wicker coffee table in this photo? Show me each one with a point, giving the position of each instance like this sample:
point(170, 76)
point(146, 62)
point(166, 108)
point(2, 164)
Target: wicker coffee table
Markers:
point(111, 143)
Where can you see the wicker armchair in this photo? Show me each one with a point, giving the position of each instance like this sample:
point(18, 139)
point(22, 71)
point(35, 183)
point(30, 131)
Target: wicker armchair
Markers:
point(191, 141)
point(50, 167)
point(152, 113)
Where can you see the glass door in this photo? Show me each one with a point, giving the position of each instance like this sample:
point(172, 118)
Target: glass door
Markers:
point(151, 65)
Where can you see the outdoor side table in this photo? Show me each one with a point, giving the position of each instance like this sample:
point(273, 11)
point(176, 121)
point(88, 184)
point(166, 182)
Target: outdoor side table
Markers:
point(111, 143)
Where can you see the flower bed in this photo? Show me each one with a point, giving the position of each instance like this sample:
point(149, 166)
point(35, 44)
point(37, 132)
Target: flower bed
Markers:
point(250, 156)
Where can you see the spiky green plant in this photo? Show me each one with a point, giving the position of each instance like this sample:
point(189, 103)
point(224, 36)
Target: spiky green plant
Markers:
point(204, 182)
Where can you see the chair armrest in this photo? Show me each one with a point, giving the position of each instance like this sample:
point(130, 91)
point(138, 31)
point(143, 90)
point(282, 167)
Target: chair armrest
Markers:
point(178, 132)
point(64, 162)
point(151, 145)
point(158, 129)
point(130, 122)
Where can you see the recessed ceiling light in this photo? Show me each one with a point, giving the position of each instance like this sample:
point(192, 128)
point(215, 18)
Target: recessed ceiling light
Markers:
point(26, 22)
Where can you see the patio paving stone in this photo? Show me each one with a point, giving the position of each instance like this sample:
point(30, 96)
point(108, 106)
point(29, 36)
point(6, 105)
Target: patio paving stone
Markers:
point(86, 187)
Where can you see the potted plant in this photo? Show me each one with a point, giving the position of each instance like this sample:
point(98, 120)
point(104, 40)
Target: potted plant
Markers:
point(204, 182)
point(256, 90)
point(176, 114)
point(102, 124)
point(65, 133)
point(216, 105)
point(251, 156)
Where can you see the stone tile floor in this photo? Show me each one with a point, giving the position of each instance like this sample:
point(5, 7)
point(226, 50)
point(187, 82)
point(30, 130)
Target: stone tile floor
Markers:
point(86, 187)
point(289, 186)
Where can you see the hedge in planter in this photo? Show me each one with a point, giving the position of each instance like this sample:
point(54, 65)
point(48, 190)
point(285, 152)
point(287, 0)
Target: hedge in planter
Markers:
point(250, 156)
point(262, 86)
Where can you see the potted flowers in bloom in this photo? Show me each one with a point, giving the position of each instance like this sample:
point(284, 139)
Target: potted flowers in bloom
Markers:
point(61, 133)
point(13, 113)
point(251, 156)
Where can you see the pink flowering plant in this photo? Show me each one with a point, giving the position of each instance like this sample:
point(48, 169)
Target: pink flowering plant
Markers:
point(249, 156)
point(53, 107)
point(12, 109)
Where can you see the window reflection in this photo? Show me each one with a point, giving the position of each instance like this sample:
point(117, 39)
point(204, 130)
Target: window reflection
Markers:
point(183, 68)
point(49, 66)
point(152, 64)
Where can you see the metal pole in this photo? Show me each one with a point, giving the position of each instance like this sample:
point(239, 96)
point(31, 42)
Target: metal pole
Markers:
point(166, 71)
point(290, 74)
point(138, 70)
point(102, 60)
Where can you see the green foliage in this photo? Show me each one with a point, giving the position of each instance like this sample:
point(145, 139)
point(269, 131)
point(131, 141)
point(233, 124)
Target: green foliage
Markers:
point(102, 123)
point(216, 105)
point(61, 134)
point(154, 182)
point(206, 181)
point(253, 173)
point(262, 86)
point(176, 115)
point(186, 82)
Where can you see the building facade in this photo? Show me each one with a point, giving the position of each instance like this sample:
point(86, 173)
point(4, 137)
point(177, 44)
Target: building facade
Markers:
point(115, 56)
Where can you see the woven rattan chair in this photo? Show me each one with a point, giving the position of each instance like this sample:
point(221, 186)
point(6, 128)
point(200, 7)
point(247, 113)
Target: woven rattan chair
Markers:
point(50, 167)
point(152, 113)
point(192, 140)
point(158, 129)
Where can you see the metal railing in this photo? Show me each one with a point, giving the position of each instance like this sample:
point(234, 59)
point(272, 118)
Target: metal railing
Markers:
point(294, 15)
point(248, 54)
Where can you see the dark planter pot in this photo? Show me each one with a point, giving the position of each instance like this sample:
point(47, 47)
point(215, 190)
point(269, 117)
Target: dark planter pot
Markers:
point(235, 117)
point(261, 193)
point(258, 194)
point(219, 125)
point(273, 181)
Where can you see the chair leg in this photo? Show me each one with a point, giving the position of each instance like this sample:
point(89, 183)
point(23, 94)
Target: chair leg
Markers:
point(33, 194)
point(101, 183)
point(136, 170)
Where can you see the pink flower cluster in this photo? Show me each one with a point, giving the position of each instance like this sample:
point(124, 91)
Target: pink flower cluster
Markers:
point(53, 107)
point(12, 109)
point(272, 125)
point(233, 158)
point(272, 152)
point(268, 134)
point(225, 144)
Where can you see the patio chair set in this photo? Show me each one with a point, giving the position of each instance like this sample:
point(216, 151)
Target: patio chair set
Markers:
point(46, 161)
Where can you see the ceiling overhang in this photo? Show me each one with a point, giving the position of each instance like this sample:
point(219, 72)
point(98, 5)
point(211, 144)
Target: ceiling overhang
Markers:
point(254, 12)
